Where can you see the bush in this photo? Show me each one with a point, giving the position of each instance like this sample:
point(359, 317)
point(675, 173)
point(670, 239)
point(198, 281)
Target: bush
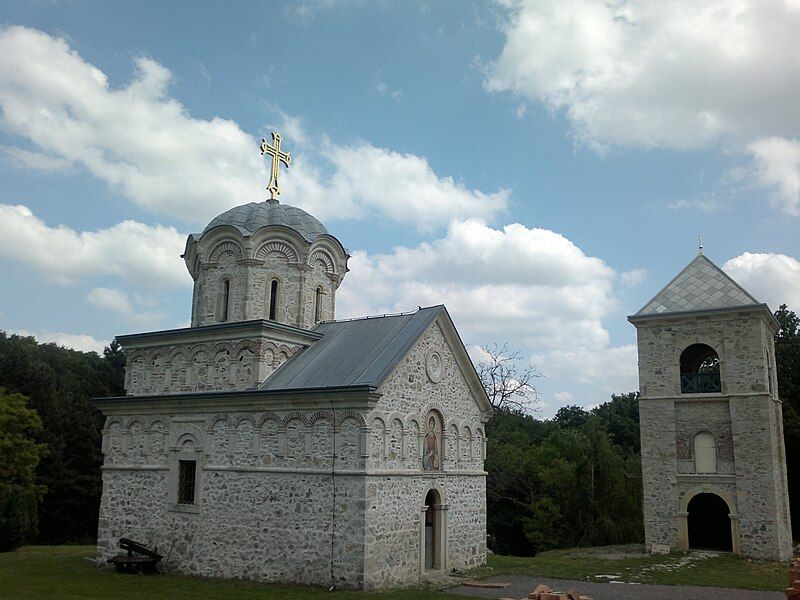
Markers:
point(18, 517)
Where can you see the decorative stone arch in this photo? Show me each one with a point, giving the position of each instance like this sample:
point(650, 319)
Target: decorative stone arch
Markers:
point(282, 247)
point(212, 422)
point(322, 255)
point(433, 529)
point(378, 437)
point(394, 420)
point(413, 446)
point(268, 416)
point(683, 514)
point(451, 443)
point(186, 444)
point(480, 438)
point(251, 345)
point(351, 414)
point(295, 414)
point(226, 247)
point(320, 414)
point(685, 344)
point(466, 433)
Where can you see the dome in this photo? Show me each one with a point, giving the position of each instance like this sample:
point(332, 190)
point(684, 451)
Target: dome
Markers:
point(249, 218)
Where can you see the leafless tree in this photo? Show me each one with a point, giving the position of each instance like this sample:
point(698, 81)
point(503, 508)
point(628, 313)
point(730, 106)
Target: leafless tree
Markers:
point(508, 382)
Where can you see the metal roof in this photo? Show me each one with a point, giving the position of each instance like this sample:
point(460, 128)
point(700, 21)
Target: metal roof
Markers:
point(249, 218)
point(701, 285)
point(353, 353)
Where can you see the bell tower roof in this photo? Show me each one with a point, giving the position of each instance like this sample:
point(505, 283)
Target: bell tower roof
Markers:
point(700, 286)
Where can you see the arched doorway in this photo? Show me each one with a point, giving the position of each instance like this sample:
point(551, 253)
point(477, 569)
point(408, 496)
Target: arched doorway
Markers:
point(709, 523)
point(433, 541)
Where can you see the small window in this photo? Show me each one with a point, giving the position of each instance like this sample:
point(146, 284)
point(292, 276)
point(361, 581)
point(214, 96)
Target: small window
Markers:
point(226, 297)
point(186, 480)
point(705, 453)
point(273, 299)
point(700, 370)
point(318, 306)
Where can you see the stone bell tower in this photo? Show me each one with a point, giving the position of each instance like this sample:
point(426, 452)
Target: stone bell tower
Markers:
point(713, 458)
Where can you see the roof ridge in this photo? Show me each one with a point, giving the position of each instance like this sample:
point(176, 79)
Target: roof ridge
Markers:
point(367, 317)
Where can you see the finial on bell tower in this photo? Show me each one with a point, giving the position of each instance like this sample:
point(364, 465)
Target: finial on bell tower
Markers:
point(700, 246)
point(278, 157)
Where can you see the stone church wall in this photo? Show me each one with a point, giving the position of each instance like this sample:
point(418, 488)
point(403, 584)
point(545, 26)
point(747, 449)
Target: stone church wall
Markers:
point(397, 485)
point(237, 364)
point(267, 506)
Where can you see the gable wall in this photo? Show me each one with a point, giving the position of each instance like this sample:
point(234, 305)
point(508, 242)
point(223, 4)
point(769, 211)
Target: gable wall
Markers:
point(396, 484)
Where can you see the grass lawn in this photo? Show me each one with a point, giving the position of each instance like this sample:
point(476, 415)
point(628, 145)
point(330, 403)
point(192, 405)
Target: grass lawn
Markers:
point(44, 572)
point(629, 564)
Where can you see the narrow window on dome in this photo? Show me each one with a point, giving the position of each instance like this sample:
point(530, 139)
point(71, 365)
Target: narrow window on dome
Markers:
point(318, 306)
point(226, 299)
point(273, 299)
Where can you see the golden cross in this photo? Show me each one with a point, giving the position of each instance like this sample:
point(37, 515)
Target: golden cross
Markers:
point(278, 157)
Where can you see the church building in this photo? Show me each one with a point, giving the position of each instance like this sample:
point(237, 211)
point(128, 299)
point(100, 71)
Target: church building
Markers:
point(713, 459)
point(268, 441)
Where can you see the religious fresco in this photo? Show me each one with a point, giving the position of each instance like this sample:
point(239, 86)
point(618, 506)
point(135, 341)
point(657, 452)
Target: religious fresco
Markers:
point(432, 446)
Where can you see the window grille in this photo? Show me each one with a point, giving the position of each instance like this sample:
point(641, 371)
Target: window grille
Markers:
point(186, 480)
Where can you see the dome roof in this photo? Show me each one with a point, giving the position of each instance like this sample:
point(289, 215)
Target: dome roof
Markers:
point(249, 218)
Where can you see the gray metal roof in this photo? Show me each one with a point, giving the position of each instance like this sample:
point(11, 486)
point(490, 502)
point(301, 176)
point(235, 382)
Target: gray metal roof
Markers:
point(350, 353)
point(701, 285)
point(249, 218)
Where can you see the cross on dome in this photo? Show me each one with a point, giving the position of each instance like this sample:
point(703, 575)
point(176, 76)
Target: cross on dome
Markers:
point(277, 157)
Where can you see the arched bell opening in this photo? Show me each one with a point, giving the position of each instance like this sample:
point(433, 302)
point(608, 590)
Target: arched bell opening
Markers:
point(700, 370)
point(709, 523)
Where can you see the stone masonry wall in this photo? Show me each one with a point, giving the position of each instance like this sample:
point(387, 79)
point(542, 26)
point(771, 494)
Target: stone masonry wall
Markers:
point(267, 505)
point(704, 415)
point(237, 364)
point(397, 485)
point(745, 419)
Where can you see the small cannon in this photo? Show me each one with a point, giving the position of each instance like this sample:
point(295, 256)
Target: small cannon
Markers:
point(139, 559)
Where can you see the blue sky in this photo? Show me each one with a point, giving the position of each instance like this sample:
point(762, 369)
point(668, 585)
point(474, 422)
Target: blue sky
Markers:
point(542, 168)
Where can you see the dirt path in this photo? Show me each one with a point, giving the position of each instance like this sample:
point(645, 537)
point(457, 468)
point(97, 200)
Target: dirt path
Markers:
point(521, 585)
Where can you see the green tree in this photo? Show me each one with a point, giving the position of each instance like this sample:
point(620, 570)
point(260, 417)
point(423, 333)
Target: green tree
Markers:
point(60, 383)
point(787, 359)
point(20, 427)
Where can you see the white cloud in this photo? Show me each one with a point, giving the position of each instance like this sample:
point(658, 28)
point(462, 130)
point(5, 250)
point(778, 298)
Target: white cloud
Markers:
point(76, 341)
point(605, 371)
point(110, 299)
point(402, 187)
point(384, 90)
point(136, 137)
point(770, 278)
point(532, 288)
point(145, 143)
point(673, 74)
point(633, 277)
point(706, 202)
point(148, 255)
point(38, 161)
point(776, 166)
point(118, 301)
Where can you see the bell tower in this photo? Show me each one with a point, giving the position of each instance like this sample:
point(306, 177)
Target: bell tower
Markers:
point(713, 458)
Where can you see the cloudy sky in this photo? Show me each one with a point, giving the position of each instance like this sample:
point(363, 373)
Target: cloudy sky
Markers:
point(540, 167)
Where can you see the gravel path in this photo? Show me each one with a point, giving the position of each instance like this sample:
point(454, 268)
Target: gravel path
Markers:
point(521, 585)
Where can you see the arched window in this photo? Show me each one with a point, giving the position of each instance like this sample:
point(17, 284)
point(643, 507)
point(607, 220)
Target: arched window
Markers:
point(318, 306)
point(700, 370)
point(705, 453)
point(225, 300)
point(273, 299)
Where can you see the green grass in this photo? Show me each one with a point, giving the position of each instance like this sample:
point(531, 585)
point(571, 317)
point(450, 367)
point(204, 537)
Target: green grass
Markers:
point(44, 572)
point(584, 564)
point(38, 572)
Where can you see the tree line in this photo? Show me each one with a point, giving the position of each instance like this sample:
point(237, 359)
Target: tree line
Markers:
point(572, 480)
